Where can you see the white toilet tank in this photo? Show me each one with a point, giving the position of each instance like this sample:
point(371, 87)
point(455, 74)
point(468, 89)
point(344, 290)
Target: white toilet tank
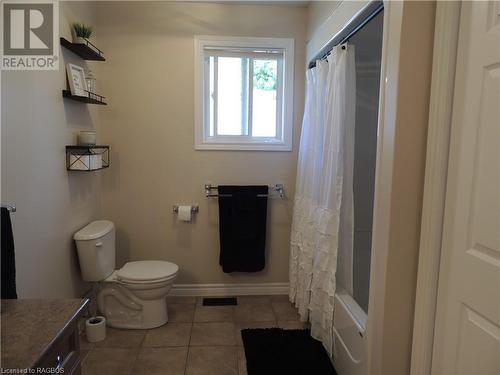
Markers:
point(96, 250)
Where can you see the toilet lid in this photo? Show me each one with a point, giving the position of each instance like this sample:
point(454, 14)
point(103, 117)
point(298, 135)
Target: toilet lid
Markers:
point(147, 270)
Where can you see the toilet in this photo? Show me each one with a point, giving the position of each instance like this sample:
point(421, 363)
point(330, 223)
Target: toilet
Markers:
point(132, 297)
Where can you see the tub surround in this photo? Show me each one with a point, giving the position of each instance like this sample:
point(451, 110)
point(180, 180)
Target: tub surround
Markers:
point(35, 332)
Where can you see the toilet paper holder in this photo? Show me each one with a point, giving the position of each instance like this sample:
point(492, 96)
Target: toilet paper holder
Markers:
point(194, 209)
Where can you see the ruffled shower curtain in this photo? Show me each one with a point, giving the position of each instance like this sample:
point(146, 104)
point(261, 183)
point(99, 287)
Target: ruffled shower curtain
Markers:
point(323, 206)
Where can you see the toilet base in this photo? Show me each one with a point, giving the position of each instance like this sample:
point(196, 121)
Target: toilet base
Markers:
point(154, 314)
point(123, 310)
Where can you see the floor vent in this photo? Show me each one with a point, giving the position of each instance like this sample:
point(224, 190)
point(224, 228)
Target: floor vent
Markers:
point(226, 301)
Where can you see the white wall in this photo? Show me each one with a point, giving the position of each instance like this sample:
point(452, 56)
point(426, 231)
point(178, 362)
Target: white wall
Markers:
point(406, 80)
point(149, 123)
point(326, 19)
point(148, 81)
point(51, 203)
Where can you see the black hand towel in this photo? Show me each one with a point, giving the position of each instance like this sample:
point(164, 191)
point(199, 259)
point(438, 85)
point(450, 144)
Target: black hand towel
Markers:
point(8, 267)
point(242, 228)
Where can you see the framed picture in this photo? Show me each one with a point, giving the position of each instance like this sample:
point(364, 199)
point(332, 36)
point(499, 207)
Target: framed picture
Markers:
point(76, 79)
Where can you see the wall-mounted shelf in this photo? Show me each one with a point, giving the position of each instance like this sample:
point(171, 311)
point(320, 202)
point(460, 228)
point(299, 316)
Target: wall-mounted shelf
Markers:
point(92, 98)
point(86, 51)
point(87, 158)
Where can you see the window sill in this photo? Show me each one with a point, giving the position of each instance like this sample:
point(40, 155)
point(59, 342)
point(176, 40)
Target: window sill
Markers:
point(243, 147)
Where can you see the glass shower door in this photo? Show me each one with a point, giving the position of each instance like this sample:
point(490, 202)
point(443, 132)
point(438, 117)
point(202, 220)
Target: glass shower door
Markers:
point(354, 259)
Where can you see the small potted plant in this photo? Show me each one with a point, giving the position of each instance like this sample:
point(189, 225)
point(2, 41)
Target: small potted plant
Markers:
point(81, 33)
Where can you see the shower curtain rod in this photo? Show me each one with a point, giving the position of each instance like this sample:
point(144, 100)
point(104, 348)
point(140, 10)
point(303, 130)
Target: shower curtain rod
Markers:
point(355, 24)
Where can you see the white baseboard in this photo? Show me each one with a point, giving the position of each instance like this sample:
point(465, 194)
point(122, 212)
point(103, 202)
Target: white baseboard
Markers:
point(219, 290)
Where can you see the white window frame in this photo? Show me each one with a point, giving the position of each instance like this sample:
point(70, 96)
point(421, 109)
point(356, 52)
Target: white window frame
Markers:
point(283, 140)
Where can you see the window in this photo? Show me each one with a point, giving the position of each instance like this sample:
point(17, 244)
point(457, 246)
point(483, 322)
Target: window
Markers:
point(243, 93)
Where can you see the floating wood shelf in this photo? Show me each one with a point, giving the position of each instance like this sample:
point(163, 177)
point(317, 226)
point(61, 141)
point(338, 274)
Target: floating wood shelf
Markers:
point(85, 51)
point(91, 99)
point(87, 158)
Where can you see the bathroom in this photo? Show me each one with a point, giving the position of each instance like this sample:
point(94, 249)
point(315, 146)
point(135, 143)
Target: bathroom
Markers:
point(167, 149)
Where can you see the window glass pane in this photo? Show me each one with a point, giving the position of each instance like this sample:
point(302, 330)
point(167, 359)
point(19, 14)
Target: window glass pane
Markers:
point(231, 93)
point(265, 86)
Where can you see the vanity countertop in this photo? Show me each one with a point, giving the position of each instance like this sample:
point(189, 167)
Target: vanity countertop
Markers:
point(31, 326)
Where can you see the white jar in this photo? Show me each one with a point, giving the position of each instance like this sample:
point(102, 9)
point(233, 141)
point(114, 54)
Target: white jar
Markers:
point(87, 138)
point(91, 82)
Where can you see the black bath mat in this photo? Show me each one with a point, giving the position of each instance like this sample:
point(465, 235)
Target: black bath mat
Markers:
point(226, 301)
point(277, 351)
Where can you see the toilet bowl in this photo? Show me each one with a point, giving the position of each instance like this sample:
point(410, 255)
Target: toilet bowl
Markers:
point(137, 303)
point(132, 297)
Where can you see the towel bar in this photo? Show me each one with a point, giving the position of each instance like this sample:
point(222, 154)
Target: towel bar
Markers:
point(279, 188)
point(9, 207)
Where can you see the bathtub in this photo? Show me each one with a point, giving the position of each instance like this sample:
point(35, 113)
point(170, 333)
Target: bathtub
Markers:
point(350, 353)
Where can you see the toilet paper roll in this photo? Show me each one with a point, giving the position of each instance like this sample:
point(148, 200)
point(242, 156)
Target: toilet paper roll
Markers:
point(95, 329)
point(184, 213)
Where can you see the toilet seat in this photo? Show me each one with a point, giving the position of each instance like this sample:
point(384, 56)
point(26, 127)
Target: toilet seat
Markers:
point(147, 272)
point(152, 283)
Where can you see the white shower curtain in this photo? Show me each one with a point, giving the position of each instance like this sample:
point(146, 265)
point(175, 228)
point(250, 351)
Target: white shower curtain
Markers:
point(323, 205)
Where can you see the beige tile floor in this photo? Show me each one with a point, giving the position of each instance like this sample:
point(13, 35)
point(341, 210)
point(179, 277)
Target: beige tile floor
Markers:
point(197, 340)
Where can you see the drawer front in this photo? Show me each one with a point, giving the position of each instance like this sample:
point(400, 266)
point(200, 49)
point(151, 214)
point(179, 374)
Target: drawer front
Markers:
point(63, 356)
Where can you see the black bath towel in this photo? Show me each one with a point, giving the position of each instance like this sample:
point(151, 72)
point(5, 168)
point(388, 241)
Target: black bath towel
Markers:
point(242, 228)
point(8, 267)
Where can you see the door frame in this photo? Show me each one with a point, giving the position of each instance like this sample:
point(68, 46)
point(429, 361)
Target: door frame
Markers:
point(399, 181)
point(436, 173)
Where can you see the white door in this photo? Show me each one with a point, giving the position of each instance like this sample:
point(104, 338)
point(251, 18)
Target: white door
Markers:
point(467, 333)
